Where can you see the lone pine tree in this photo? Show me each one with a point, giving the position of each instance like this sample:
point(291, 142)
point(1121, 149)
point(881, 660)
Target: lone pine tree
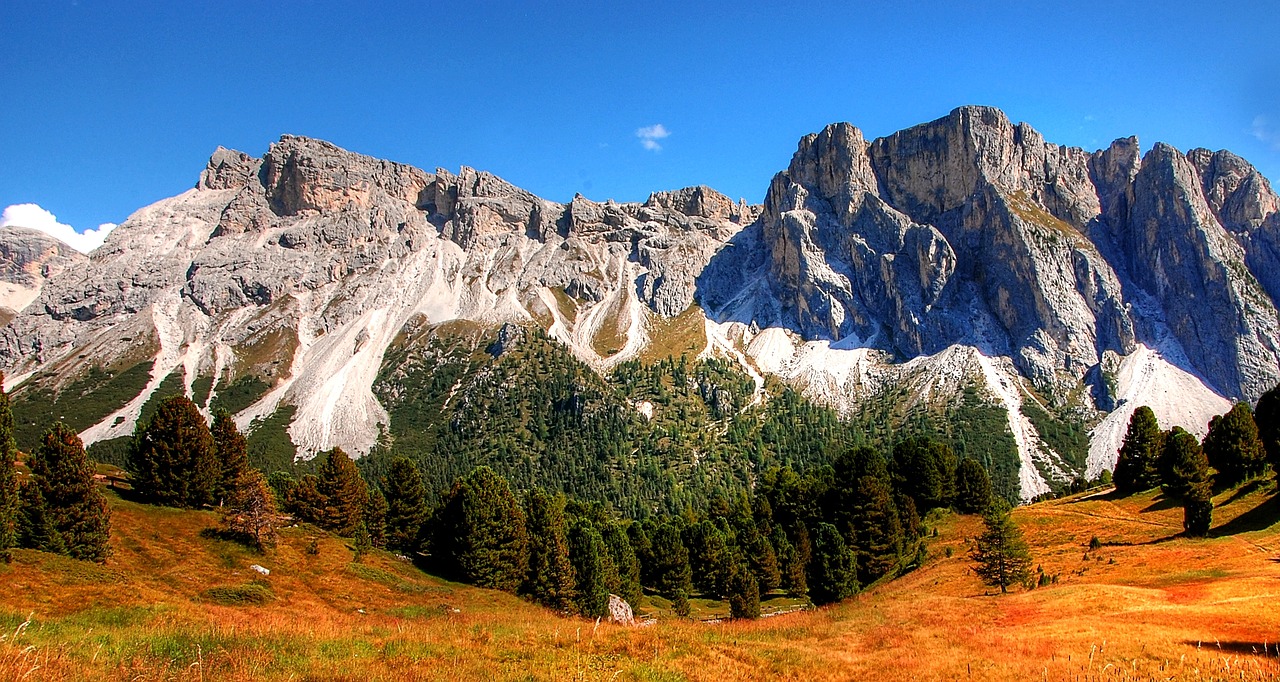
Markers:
point(481, 537)
point(1001, 555)
point(171, 459)
point(341, 493)
point(1137, 466)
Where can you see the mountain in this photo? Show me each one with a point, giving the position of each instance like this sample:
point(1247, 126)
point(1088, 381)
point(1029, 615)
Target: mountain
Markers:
point(958, 263)
point(27, 258)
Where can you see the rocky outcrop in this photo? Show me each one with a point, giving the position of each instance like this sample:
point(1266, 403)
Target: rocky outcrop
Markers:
point(27, 259)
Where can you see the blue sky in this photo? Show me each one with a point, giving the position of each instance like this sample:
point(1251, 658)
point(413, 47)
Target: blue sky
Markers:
point(111, 106)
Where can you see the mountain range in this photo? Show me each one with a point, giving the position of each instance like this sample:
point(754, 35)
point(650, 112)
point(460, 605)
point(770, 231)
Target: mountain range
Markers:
point(961, 257)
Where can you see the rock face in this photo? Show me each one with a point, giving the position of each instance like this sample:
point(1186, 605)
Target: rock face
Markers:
point(967, 249)
point(973, 230)
point(27, 259)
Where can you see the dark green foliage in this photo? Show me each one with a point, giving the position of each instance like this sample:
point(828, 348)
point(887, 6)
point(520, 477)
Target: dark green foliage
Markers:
point(252, 594)
point(171, 461)
point(925, 470)
point(551, 580)
point(342, 493)
point(84, 402)
point(625, 564)
point(1267, 417)
point(1001, 555)
point(270, 448)
point(878, 539)
point(761, 557)
point(1197, 517)
point(239, 394)
point(1062, 432)
point(591, 567)
point(250, 510)
point(302, 499)
point(680, 603)
point(231, 450)
point(791, 566)
point(744, 594)
point(710, 559)
point(34, 524)
point(406, 505)
point(1137, 467)
point(639, 538)
point(480, 537)
point(670, 564)
point(361, 542)
point(73, 507)
point(832, 574)
point(973, 487)
point(1182, 464)
point(1233, 446)
point(374, 516)
point(8, 478)
point(113, 451)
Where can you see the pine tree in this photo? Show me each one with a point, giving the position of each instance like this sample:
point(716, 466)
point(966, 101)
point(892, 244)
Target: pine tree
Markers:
point(1180, 463)
point(671, 573)
point(626, 566)
point(361, 542)
point(374, 516)
point(406, 505)
point(75, 508)
point(8, 478)
point(710, 559)
point(1267, 417)
point(744, 593)
point(590, 560)
point(342, 493)
point(1233, 446)
point(797, 575)
point(973, 487)
point(171, 460)
point(1001, 553)
point(231, 450)
point(303, 500)
point(250, 510)
point(1137, 466)
point(925, 470)
point(481, 537)
point(639, 537)
point(35, 526)
point(761, 557)
point(833, 571)
point(551, 580)
point(878, 532)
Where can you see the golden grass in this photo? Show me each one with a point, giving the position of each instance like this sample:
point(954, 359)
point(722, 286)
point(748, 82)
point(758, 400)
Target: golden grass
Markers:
point(684, 334)
point(1145, 605)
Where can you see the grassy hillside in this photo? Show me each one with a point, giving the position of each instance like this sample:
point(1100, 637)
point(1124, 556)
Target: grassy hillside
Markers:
point(174, 604)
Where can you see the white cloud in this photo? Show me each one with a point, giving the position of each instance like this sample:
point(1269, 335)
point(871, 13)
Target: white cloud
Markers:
point(36, 218)
point(1265, 132)
point(649, 136)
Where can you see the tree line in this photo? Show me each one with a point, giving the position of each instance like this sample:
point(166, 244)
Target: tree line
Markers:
point(1238, 448)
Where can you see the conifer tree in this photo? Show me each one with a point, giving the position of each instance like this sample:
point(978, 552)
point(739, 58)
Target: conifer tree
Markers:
point(625, 565)
point(1137, 466)
point(1001, 553)
point(744, 593)
point(590, 560)
point(710, 559)
point(75, 509)
point(797, 575)
point(878, 532)
point(551, 580)
point(639, 537)
point(231, 451)
point(250, 510)
point(171, 460)
point(1267, 417)
point(342, 493)
point(671, 573)
point(406, 505)
point(1233, 447)
point(35, 527)
point(361, 542)
point(833, 571)
point(302, 499)
point(374, 516)
point(481, 536)
point(761, 558)
point(925, 470)
point(973, 487)
point(8, 478)
point(1181, 462)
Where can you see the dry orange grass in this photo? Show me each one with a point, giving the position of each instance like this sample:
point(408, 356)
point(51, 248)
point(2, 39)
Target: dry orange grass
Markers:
point(1146, 605)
